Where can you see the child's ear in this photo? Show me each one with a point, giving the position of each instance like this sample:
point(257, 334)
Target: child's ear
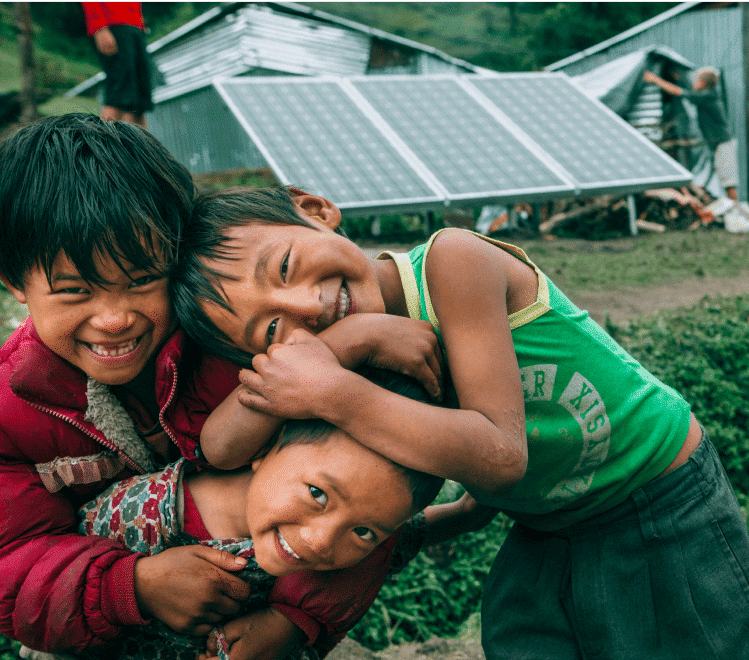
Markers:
point(18, 294)
point(317, 208)
point(256, 464)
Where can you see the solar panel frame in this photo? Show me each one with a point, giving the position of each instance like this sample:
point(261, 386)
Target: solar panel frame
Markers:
point(584, 131)
point(293, 155)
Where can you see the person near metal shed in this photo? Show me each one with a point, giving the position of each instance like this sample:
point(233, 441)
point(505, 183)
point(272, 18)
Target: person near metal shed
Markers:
point(713, 123)
point(118, 33)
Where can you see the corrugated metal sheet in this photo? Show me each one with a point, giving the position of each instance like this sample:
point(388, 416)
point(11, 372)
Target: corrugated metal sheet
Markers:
point(254, 39)
point(623, 36)
point(646, 112)
point(202, 134)
point(707, 37)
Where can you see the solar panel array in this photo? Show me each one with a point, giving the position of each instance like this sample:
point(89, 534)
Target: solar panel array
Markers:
point(374, 143)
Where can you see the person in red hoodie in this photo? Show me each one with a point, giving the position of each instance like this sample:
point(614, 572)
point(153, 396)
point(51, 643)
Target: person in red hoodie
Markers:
point(99, 384)
point(118, 32)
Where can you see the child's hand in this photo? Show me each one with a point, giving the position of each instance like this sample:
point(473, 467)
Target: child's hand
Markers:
point(447, 521)
point(290, 380)
point(263, 635)
point(408, 346)
point(190, 588)
point(105, 42)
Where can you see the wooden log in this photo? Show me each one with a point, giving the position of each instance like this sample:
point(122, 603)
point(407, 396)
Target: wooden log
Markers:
point(645, 225)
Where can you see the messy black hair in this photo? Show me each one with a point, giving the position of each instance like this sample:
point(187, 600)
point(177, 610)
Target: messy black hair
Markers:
point(424, 487)
point(90, 189)
point(194, 283)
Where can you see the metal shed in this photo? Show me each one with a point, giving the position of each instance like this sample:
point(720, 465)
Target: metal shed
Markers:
point(706, 33)
point(261, 39)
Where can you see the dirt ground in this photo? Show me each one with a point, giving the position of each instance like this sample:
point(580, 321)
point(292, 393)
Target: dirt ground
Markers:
point(630, 302)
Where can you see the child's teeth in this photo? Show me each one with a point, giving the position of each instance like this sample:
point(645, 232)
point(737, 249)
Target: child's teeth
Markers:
point(114, 352)
point(343, 303)
point(287, 547)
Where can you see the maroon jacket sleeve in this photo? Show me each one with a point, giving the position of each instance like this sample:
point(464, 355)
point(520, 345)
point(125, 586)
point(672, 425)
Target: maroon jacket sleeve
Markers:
point(330, 603)
point(59, 591)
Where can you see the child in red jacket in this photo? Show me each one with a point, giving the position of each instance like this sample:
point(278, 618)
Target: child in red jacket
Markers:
point(90, 216)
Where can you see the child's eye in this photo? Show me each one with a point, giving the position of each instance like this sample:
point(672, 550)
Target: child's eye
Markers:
point(146, 279)
point(73, 290)
point(318, 494)
point(271, 331)
point(365, 533)
point(285, 266)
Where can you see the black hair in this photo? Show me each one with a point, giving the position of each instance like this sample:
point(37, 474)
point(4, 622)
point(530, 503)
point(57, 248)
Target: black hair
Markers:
point(91, 189)
point(424, 487)
point(205, 237)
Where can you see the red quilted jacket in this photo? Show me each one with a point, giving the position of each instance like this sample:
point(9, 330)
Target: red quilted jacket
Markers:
point(61, 591)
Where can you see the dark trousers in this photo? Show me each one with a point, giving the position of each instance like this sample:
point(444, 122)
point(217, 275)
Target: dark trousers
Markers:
point(127, 86)
point(663, 575)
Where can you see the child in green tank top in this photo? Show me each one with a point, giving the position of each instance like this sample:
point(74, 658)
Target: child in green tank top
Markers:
point(628, 541)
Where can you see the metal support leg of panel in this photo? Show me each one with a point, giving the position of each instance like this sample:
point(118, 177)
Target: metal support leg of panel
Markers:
point(632, 215)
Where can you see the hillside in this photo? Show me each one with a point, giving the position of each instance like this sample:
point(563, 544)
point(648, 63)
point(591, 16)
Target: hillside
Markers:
point(506, 36)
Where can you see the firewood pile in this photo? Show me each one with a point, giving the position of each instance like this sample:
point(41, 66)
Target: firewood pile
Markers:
point(604, 216)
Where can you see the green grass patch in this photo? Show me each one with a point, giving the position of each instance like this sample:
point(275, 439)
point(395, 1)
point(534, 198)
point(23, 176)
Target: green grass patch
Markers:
point(648, 260)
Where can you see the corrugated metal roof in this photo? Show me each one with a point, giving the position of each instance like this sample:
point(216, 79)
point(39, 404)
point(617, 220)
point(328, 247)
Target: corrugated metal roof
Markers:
point(276, 37)
point(257, 40)
point(623, 36)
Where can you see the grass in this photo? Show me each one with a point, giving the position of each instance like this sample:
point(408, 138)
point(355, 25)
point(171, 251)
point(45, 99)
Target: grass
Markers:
point(641, 261)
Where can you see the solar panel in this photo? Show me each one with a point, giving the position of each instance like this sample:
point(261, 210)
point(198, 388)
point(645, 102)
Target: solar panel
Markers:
point(314, 136)
point(467, 150)
point(376, 143)
point(599, 149)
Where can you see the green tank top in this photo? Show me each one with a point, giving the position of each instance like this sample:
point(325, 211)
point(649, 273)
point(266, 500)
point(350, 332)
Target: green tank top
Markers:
point(598, 424)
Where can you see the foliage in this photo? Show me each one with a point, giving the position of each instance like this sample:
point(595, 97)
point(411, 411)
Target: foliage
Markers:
point(8, 649)
point(437, 592)
point(505, 36)
point(703, 353)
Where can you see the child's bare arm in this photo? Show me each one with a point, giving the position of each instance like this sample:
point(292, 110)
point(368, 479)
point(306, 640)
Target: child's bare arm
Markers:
point(233, 434)
point(481, 445)
point(446, 521)
point(263, 635)
point(666, 86)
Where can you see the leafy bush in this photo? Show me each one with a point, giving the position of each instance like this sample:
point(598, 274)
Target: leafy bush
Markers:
point(703, 353)
point(438, 591)
point(8, 649)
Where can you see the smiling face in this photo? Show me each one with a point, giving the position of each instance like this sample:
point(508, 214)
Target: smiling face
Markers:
point(323, 506)
point(284, 277)
point(109, 332)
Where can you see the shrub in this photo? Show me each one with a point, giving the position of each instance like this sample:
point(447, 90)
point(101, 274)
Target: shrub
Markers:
point(437, 592)
point(703, 353)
